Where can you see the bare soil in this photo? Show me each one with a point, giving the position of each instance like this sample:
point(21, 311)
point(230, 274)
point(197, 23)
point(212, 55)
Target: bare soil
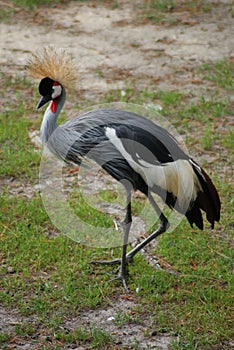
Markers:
point(115, 46)
point(120, 43)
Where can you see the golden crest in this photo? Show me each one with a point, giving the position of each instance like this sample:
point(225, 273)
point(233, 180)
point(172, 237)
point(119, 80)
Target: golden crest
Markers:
point(53, 63)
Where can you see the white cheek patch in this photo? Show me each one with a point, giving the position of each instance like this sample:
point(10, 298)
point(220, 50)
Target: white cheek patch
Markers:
point(57, 91)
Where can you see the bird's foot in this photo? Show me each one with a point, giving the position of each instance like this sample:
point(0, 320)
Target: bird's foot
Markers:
point(121, 270)
point(124, 284)
point(123, 279)
point(129, 259)
point(106, 262)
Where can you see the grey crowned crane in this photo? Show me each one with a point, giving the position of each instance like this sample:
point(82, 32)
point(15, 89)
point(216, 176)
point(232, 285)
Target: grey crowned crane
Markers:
point(133, 150)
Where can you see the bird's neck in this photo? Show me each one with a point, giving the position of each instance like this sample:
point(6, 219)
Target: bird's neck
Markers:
point(49, 123)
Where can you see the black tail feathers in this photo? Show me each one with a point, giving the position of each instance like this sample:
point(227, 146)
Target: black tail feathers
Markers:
point(207, 200)
point(194, 216)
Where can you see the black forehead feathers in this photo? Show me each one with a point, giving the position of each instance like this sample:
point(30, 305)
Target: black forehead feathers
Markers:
point(45, 86)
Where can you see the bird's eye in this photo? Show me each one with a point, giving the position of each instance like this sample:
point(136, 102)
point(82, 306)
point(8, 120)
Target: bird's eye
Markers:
point(56, 92)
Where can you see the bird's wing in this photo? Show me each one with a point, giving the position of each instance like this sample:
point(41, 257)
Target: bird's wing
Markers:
point(146, 142)
point(146, 148)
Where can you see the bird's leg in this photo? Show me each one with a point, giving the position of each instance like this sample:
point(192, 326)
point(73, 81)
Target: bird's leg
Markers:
point(163, 226)
point(126, 258)
point(126, 224)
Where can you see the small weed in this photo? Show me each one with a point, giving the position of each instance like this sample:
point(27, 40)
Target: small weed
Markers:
point(34, 3)
point(195, 6)
point(99, 72)
point(4, 337)
point(24, 330)
point(220, 73)
point(228, 140)
point(6, 14)
point(122, 318)
point(161, 5)
point(170, 98)
point(78, 335)
point(100, 338)
point(208, 137)
point(157, 10)
point(95, 337)
point(160, 11)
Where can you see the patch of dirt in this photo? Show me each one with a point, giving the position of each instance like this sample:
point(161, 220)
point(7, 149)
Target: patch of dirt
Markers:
point(11, 325)
point(119, 321)
point(99, 36)
point(17, 188)
point(115, 47)
point(8, 321)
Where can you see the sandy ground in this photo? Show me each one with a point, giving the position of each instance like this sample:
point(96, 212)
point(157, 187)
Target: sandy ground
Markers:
point(123, 46)
point(116, 41)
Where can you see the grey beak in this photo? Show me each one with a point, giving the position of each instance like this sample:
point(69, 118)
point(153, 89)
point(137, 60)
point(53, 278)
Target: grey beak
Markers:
point(43, 101)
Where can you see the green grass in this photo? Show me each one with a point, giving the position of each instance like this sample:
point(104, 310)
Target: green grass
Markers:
point(49, 278)
point(17, 155)
point(4, 337)
point(94, 337)
point(166, 11)
point(11, 9)
point(34, 3)
point(190, 302)
point(220, 73)
point(86, 211)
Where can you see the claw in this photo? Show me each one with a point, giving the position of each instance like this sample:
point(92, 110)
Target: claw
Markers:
point(121, 270)
point(125, 285)
point(123, 279)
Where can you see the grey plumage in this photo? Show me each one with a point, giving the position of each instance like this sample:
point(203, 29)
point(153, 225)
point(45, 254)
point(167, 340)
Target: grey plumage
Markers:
point(133, 150)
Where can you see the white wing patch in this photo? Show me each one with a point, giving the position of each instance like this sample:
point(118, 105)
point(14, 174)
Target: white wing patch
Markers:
point(177, 177)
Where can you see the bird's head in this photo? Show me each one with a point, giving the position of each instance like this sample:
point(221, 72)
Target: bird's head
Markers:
point(49, 90)
point(56, 69)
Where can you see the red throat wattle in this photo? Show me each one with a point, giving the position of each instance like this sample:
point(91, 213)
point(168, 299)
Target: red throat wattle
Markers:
point(53, 106)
